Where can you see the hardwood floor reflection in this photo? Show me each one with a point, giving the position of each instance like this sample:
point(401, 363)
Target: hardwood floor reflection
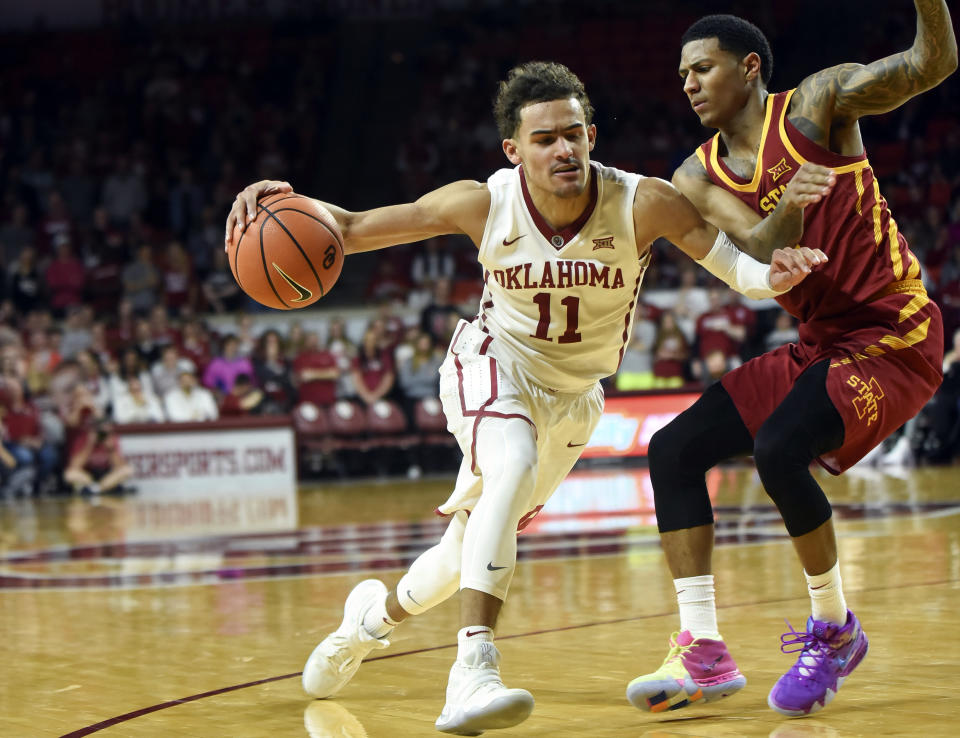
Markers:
point(167, 617)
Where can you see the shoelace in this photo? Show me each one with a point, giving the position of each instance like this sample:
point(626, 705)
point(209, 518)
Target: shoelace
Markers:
point(676, 650)
point(339, 652)
point(808, 645)
point(482, 678)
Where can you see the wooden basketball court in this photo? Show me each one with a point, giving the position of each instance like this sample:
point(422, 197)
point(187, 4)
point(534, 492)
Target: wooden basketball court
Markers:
point(167, 617)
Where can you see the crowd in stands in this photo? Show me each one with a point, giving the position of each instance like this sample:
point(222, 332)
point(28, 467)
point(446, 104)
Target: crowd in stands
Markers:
point(122, 149)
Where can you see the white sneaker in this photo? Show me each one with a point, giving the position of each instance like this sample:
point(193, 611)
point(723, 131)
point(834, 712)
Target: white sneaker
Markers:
point(477, 699)
point(334, 662)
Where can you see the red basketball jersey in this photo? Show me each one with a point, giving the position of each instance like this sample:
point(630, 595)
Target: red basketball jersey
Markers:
point(869, 257)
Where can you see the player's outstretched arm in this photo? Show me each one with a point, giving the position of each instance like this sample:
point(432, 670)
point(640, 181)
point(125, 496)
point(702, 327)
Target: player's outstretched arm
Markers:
point(784, 226)
point(457, 208)
point(752, 234)
point(660, 210)
point(851, 91)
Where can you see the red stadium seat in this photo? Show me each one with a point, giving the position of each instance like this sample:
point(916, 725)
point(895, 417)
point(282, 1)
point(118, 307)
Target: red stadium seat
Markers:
point(348, 425)
point(387, 426)
point(312, 429)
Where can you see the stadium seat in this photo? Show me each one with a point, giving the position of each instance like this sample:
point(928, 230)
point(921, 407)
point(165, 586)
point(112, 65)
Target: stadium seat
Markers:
point(312, 427)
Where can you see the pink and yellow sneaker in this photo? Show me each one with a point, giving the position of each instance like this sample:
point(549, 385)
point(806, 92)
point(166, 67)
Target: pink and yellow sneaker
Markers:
point(694, 670)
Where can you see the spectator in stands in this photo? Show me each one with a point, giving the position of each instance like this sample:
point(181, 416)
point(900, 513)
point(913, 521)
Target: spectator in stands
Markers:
point(195, 344)
point(437, 316)
point(344, 350)
point(77, 335)
point(296, 337)
point(108, 236)
point(690, 301)
point(272, 373)
point(315, 372)
point(430, 264)
point(137, 404)
point(41, 360)
point(724, 327)
point(222, 370)
point(189, 402)
point(671, 352)
point(13, 360)
point(79, 190)
point(389, 326)
point(104, 286)
point(11, 484)
point(220, 289)
point(121, 330)
point(389, 283)
point(784, 331)
point(418, 373)
point(131, 364)
point(124, 194)
point(144, 342)
point(163, 331)
point(74, 402)
point(373, 370)
point(95, 463)
point(165, 373)
point(714, 366)
point(243, 399)
point(186, 200)
point(179, 290)
point(636, 368)
point(99, 345)
point(141, 280)
point(55, 225)
point(65, 278)
point(16, 234)
point(205, 241)
point(93, 373)
point(24, 437)
point(25, 285)
point(246, 339)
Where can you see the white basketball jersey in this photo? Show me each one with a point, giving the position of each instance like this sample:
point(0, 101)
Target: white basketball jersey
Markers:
point(560, 304)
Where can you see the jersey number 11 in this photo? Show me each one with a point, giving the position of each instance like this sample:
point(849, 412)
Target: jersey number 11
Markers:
point(572, 305)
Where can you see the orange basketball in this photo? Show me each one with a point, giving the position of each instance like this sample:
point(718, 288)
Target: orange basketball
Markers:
point(290, 255)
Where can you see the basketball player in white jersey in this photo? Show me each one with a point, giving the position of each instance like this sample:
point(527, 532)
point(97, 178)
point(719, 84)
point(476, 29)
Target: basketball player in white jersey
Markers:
point(564, 244)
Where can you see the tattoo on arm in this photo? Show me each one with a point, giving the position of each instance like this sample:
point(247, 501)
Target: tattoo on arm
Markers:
point(778, 230)
point(850, 91)
point(691, 167)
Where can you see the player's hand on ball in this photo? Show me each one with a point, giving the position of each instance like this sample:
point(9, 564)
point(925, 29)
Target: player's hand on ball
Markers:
point(244, 208)
point(809, 185)
point(789, 267)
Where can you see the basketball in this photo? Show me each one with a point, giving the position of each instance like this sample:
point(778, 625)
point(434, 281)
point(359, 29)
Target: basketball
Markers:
point(290, 255)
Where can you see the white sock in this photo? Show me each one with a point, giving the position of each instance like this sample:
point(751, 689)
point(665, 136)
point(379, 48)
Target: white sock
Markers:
point(826, 596)
point(377, 622)
point(698, 610)
point(467, 638)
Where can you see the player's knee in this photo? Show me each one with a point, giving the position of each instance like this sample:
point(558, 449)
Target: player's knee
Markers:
point(783, 463)
point(507, 454)
point(674, 457)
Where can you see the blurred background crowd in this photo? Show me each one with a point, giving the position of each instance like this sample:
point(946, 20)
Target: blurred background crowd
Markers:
point(122, 148)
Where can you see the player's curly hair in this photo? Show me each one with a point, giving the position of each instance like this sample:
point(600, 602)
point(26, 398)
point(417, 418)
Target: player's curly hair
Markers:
point(736, 35)
point(534, 82)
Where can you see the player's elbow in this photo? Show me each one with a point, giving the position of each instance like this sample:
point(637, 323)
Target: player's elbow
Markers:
point(938, 67)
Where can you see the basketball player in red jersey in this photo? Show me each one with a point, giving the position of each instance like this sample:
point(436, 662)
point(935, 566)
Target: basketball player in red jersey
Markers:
point(868, 358)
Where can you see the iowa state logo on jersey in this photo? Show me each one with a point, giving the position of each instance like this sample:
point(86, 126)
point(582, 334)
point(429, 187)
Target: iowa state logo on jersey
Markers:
point(779, 169)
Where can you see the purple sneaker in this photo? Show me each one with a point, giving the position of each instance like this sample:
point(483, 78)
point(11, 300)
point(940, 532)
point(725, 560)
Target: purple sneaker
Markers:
point(828, 653)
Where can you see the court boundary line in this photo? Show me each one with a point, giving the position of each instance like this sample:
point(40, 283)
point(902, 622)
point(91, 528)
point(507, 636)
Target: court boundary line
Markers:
point(134, 714)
